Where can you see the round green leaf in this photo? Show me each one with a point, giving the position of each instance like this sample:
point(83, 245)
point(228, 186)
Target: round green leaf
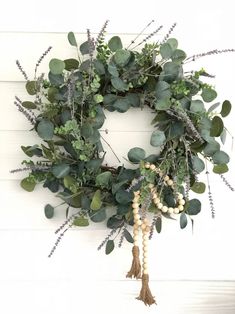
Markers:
point(99, 215)
point(133, 99)
point(220, 168)
point(136, 154)
point(71, 64)
point(96, 200)
point(31, 88)
point(158, 224)
point(56, 66)
point(103, 179)
point(213, 107)
point(122, 104)
point(119, 84)
point(81, 222)
point(183, 220)
point(123, 197)
point(198, 164)
point(211, 148)
point(166, 51)
point(163, 104)
point(226, 108)
point(173, 43)
point(163, 90)
point(49, 211)
point(220, 157)
point(178, 56)
point(29, 105)
point(109, 247)
point(193, 207)
point(72, 39)
point(208, 94)
point(27, 184)
point(217, 126)
point(60, 170)
point(100, 69)
point(45, 129)
point(197, 106)
point(198, 187)
point(158, 138)
point(122, 57)
point(85, 48)
point(56, 80)
point(115, 43)
point(171, 71)
point(113, 70)
point(115, 222)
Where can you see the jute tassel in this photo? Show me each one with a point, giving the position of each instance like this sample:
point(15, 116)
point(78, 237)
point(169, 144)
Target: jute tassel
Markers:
point(145, 293)
point(135, 270)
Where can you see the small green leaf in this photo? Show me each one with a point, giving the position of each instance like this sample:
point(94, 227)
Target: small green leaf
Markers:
point(109, 247)
point(115, 222)
point(119, 84)
point(96, 200)
point(158, 224)
point(56, 66)
point(178, 56)
point(193, 207)
point(163, 104)
point(162, 90)
point(122, 57)
point(197, 106)
point(198, 187)
point(220, 157)
point(71, 64)
point(219, 169)
point(211, 148)
point(226, 108)
point(103, 179)
point(81, 222)
point(31, 88)
point(223, 136)
point(158, 138)
point(198, 164)
point(133, 99)
point(172, 71)
point(173, 43)
point(136, 154)
point(217, 126)
point(70, 182)
point(98, 98)
point(72, 39)
point(213, 107)
point(208, 94)
point(99, 215)
point(116, 186)
point(29, 105)
point(183, 220)
point(85, 48)
point(123, 197)
point(122, 104)
point(27, 184)
point(166, 51)
point(49, 211)
point(60, 170)
point(128, 236)
point(115, 43)
point(113, 70)
point(99, 66)
point(45, 129)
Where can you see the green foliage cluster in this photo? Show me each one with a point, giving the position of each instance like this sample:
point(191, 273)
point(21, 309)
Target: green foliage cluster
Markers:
point(70, 105)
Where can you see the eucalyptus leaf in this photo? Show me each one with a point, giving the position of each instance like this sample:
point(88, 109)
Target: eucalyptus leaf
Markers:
point(72, 39)
point(219, 169)
point(208, 94)
point(220, 157)
point(178, 56)
point(163, 90)
point(99, 215)
point(133, 99)
point(85, 48)
point(128, 236)
point(197, 106)
point(122, 57)
point(115, 43)
point(81, 222)
point(193, 207)
point(49, 211)
point(173, 43)
point(112, 69)
point(136, 154)
point(213, 107)
point(29, 105)
point(226, 108)
point(119, 84)
point(45, 129)
point(103, 179)
point(121, 104)
point(56, 66)
point(71, 64)
point(27, 184)
point(166, 51)
point(109, 247)
point(158, 224)
point(223, 136)
point(158, 138)
point(163, 104)
point(99, 66)
point(198, 187)
point(183, 220)
point(96, 202)
point(198, 164)
point(123, 197)
point(60, 170)
point(217, 126)
point(31, 87)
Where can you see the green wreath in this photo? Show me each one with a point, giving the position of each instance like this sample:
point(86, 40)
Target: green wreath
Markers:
point(69, 110)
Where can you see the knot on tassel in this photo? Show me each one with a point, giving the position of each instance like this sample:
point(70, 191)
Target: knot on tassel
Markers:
point(135, 270)
point(145, 293)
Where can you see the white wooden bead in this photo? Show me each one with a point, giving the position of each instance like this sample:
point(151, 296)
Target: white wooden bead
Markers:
point(156, 200)
point(139, 222)
point(145, 242)
point(166, 178)
point(181, 202)
point(160, 173)
point(145, 249)
point(145, 237)
point(160, 205)
point(181, 208)
point(154, 195)
point(136, 232)
point(164, 209)
point(152, 167)
point(170, 182)
point(136, 199)
point(146, 221)
point(171, 210)
point(176, 210)
point(135, 211)
point(135, 205)
point(145, 254)
point(143, 226)
point(145, 266)
point(151, 185)
point(136, 238)
point(147, 165)
point(136, 216)
point(180, 196)
point(145, 271)
point(136, 193)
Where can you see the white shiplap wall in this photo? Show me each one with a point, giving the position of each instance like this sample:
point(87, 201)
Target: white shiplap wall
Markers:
point(195, 272)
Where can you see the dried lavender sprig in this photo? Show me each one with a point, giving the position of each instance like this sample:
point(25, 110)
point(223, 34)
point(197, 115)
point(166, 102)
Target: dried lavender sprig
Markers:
point(112, 232)
point(149, 36)
point(29, 110)
point(41, 58)
point(187, 187)
point(121, 240)
point(137, 36)
point(59, 240)
point(101, 34)
point(22, 70)
point(226, 182)
point(211, 201)
point(31, 167)
point(91, 43)
point(134, 183)
point(26, 113)
point(209, 53)
point(169, 32)
point(66, 222)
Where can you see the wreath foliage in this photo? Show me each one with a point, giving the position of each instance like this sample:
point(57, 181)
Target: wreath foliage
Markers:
point(69, 110)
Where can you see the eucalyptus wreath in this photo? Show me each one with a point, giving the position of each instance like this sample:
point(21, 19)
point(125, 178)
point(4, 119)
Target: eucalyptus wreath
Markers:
point(69, 110)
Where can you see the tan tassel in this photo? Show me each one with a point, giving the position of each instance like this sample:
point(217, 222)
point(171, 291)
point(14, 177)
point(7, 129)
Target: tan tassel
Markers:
point(145, 293)
point(135, 270)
